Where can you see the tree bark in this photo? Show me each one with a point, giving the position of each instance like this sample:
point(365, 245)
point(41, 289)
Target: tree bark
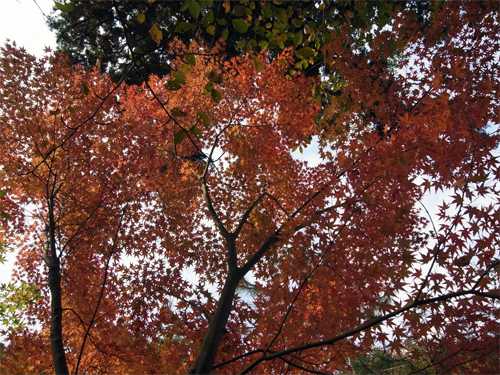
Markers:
point(217, 327)
point(56, 337)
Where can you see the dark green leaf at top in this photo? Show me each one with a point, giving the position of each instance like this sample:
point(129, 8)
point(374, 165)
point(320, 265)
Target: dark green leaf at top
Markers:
point(240, 26)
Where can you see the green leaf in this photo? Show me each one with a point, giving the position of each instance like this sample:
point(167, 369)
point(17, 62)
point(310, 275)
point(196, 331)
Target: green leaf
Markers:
point(304, 53)
point(297, 22)
point(263, 44)
point(179, 77)
point(211, 29)
point(257, 63)
point(141, 18)
point(56, 112)
point(2, 193)
point(194, 9)
point(185, 68)
point(224, 34)
point(266, 11)
point(184, 6)
point(85, 89)
point(196, 132)
point(179, 136)
point(213, 76)
point(239, 10)
point(297, 39)
point(5, 215)
point(66, 7)
point(240, 26)
point(190, 59)
point(208, 18)
point(208, 87)
point(206, 120)
point(216, 96)
point(173, 86)
point(222, 21)
point(182, 27)
point(176, 112)
point(280, 15)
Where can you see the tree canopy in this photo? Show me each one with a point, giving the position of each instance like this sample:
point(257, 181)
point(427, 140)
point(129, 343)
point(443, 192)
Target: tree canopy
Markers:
point(163, 220)
point(117, 35)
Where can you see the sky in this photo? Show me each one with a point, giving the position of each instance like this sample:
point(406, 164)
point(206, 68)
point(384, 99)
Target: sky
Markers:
point(23, 22)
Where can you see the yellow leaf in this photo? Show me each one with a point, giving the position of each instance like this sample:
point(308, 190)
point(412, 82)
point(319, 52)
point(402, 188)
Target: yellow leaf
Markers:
point(226, 6)
point(211, 29)
point(156, 34)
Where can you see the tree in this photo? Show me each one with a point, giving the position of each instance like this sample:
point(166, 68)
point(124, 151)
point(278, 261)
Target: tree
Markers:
point(118, 35)
point(202, 244)
point(383, 362)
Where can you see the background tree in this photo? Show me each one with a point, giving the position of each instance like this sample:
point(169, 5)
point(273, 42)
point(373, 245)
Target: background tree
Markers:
point(105, 32)
point(383, 362)
point(333, 252)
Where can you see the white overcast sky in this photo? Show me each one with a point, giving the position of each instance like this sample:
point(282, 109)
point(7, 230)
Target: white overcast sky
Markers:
point(23, 21)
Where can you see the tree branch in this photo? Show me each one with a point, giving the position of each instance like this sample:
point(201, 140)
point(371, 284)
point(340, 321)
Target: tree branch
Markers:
point(190, 303)
point(363, 327)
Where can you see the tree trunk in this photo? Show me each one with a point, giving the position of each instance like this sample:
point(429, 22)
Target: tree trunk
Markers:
point(217, 327)
point(56, 337)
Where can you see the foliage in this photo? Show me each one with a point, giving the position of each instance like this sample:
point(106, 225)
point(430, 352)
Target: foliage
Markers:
point(14, 298)
point(103, 32)
point(145, 211)
point(383, 362)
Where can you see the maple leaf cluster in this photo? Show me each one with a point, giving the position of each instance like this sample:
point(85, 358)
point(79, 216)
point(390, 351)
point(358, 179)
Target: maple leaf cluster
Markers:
point(169, 226)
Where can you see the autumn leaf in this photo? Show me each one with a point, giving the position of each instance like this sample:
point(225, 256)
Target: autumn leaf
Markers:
point(156, 34)
point(146, 181)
